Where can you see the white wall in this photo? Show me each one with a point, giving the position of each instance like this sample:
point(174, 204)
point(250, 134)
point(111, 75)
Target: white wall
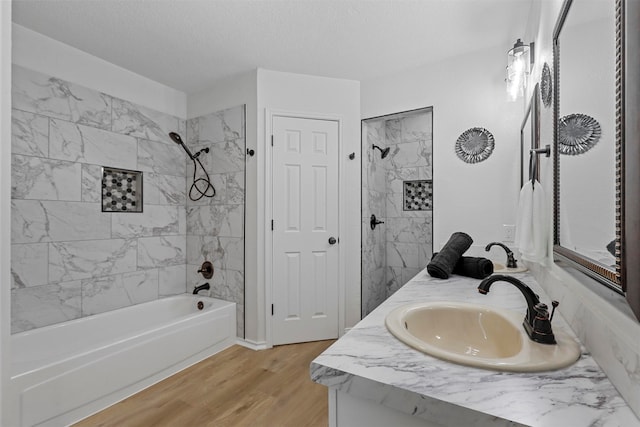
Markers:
point(278, 91)
point(465, 91)
point(5, 211)
point(40, 53)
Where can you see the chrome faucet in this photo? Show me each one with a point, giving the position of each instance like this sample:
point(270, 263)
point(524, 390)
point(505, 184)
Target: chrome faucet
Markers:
point(537, 322)
point(511, 261)
point(204, 287)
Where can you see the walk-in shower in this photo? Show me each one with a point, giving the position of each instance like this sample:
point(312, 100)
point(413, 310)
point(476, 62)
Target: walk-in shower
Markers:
point(397, 201)
point(202, 186)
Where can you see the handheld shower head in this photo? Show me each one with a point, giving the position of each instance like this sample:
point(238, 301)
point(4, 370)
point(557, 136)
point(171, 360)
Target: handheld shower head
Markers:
point(202, 186)
point(178, 140)
point(383, 152)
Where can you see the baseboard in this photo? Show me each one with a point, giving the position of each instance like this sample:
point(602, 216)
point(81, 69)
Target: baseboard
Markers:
point(253, 345)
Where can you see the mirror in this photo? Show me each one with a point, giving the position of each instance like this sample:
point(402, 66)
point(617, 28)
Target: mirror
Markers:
point(593, 187)
point(529, 136)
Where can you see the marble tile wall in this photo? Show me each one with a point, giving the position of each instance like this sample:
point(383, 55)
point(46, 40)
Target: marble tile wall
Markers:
point(215, 226)
point(406, 236)
point(69, 259)
point(408, 233)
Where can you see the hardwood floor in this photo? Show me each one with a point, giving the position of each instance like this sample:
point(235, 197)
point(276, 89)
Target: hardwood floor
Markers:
point(236, 387)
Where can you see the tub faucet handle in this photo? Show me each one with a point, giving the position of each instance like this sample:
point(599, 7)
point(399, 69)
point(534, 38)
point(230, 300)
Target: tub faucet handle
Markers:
point(206, 270)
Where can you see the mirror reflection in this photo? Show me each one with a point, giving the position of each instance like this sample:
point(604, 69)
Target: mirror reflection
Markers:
point(529, 131)
point(587, 131)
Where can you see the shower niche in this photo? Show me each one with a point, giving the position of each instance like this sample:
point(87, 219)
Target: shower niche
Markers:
point(121, 190)
point(397, 188)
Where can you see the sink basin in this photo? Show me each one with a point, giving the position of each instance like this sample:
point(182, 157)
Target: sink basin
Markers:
point(479, 336)
point(502, 269)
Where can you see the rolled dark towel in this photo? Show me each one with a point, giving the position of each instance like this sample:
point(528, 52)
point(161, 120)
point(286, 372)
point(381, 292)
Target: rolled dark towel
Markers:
point(476, 267)
point(441, 266)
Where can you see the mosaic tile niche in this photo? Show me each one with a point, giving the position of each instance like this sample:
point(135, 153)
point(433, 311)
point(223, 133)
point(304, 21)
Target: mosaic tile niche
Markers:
point(121, 190)
point(418, 195)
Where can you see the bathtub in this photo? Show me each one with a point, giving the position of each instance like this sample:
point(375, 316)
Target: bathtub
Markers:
point(65, 372)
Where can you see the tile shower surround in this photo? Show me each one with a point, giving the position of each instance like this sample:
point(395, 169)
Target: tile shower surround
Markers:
point(398, 249)
point(71, 260)
point(215, 226)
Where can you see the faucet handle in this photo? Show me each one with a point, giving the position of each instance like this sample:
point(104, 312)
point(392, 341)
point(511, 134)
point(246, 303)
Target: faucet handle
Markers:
point(542, 324)
point(511, 261)
point(206, 270)
point(555, 305)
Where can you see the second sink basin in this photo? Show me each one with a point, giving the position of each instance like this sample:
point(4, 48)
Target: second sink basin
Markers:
point(502, 269)
point(477, 335)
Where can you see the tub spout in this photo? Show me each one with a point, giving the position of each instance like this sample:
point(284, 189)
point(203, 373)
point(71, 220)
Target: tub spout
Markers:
point(204, 287)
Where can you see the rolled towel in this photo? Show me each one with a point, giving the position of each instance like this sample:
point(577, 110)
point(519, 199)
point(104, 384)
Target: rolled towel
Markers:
point(476, 267)
point(442, 265)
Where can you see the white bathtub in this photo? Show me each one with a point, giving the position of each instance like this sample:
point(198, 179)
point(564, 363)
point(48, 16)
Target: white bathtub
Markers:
point(65, 372)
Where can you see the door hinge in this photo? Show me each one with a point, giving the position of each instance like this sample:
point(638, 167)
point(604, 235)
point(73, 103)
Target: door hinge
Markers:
point(271, 225)
point(272, 140)
point(272, 309)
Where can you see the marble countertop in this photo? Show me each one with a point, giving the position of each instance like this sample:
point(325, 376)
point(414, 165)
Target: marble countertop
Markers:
point(368, 362)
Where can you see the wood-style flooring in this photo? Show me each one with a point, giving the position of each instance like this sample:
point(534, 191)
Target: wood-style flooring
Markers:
point(236, 387)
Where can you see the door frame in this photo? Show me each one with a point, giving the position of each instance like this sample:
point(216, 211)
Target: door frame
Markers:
point(270, 114)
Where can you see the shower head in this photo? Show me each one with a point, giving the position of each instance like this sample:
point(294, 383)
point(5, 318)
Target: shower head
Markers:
point(383, 152)
point(178, 140)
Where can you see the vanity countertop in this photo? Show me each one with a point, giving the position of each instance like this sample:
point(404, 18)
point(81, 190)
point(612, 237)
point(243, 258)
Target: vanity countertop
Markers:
point(370, 363)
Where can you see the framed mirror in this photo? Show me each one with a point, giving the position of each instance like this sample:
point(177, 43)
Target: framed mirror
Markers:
point(529, 136)
point(596, 158)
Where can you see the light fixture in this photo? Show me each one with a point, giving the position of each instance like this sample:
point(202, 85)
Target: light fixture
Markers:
point(519, 61)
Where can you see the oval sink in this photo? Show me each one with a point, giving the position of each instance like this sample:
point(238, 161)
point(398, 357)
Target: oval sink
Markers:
point(479, 336)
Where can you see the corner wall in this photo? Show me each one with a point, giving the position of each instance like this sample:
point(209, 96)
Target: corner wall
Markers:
point(215, 225)
point(234, 91)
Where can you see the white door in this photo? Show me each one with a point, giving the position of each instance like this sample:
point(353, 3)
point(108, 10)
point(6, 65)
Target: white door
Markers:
point(305, 227)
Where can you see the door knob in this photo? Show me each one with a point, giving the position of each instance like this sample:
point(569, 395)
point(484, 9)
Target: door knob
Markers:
point(332, 240)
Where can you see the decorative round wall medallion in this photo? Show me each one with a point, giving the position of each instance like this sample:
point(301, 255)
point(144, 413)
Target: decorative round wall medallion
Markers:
point(578, 134)
point(546, 86)
point(475, 145)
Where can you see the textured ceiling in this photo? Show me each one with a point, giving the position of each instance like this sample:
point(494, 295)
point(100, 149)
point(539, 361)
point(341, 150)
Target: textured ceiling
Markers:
point(189, 44)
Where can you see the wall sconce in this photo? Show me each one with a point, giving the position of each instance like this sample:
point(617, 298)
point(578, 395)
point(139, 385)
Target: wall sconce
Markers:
point(519, 62)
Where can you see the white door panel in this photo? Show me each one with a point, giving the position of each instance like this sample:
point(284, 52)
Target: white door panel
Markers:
point(305, 213)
